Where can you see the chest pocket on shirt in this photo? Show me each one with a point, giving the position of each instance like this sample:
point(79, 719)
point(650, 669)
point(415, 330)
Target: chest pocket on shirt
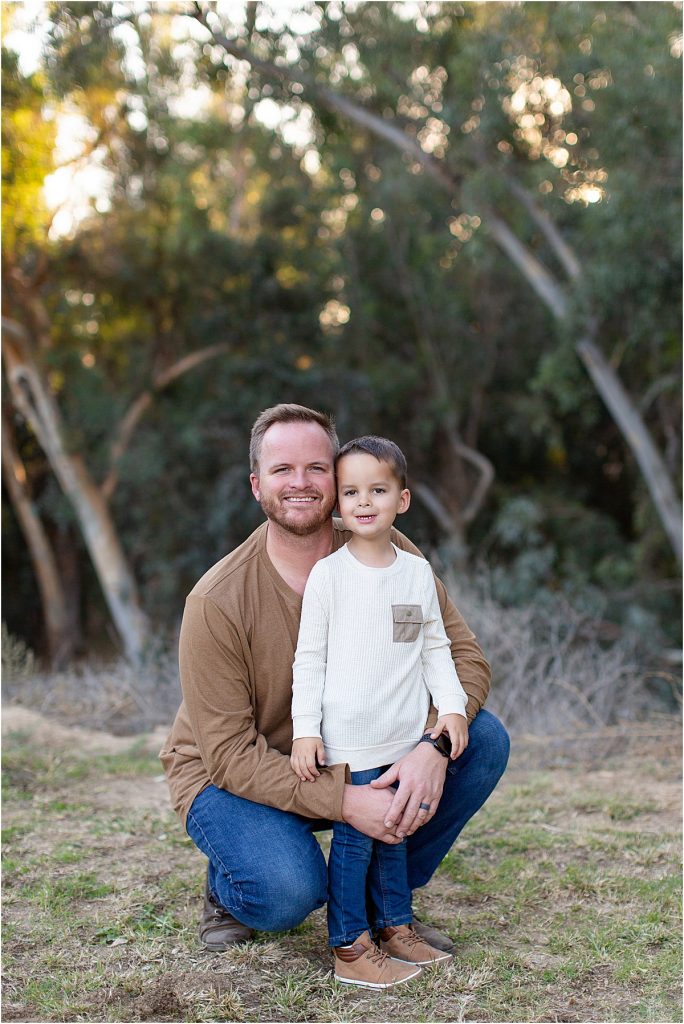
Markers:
point(407, 620)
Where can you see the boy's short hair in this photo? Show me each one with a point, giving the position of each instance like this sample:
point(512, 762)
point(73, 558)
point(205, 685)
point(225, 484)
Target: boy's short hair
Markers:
point(382, 449)
point(287, 412)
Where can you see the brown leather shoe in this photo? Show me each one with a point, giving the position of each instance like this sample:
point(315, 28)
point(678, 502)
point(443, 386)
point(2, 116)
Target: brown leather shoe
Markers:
point(437, 939)
point(218, 929)
point(403, 943)
point(365, 965)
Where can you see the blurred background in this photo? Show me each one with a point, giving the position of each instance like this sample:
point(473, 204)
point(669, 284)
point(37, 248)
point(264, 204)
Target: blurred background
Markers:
point(455, 224)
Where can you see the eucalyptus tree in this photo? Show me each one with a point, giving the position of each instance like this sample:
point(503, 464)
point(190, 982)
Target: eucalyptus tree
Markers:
point(511, 110)
point(186, 259)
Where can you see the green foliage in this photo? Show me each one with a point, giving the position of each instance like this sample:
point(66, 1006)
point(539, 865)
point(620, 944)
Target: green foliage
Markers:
point(362, 287)
point(27, 144)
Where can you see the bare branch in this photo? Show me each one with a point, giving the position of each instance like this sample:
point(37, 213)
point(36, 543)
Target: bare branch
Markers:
point(53, 601)
point(543, 283)
point(486, 477)
point(36, 403)
point(632, 426)
point(548, 228)
point(434, 505)
point(142, 403)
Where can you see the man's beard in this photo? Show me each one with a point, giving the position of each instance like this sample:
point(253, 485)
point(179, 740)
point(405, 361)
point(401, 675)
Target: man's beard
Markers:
point(276, 510)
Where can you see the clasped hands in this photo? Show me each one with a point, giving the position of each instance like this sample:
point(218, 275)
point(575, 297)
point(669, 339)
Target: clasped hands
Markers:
point(405, 797)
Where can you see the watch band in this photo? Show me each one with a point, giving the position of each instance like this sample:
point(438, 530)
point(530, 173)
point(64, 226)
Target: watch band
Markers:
point(442, 743)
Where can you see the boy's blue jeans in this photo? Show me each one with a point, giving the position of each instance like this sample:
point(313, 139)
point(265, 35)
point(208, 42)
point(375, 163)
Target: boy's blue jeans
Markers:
point(361, 868)
point(266, 867)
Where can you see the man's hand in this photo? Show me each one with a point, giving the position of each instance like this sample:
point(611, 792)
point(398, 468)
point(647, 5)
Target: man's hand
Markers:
point(303, 757)
point(367, 809)
point(421, 780)
point(457, 728)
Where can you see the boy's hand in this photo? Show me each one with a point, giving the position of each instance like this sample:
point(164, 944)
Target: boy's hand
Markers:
point(457, 728)
point(303, 757)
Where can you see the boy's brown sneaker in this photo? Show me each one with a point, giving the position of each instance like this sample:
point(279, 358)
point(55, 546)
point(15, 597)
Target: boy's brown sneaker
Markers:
point(403, 943)
point(364, 964)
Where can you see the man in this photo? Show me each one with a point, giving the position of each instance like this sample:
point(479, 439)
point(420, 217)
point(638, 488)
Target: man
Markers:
point(227, 757)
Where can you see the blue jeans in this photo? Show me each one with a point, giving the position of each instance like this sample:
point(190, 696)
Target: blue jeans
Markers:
point(359, 864)
point(266, 867)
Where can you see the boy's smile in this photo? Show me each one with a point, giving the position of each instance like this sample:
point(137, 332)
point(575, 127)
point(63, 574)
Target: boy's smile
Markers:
point(369, 496)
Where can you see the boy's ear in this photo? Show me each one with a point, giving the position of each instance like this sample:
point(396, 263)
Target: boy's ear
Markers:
point(404, 501)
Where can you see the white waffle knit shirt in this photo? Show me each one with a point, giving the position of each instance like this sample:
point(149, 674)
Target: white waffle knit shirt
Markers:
point(372, 650)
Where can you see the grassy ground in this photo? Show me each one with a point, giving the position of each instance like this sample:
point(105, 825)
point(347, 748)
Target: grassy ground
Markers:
point(563, 896)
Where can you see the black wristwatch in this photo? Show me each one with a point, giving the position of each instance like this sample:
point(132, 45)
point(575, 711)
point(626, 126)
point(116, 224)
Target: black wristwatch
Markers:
point(442, 743)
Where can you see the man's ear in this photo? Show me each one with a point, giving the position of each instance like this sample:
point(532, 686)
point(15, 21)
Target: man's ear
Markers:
point(254, 484)
point(404, 501)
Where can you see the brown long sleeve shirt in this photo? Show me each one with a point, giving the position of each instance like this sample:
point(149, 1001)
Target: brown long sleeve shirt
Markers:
point(237, 646)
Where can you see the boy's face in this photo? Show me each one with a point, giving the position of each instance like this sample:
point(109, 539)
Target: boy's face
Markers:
point(369, 496)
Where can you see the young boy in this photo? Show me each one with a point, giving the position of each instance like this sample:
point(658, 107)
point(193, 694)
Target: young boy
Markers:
point(372, 651)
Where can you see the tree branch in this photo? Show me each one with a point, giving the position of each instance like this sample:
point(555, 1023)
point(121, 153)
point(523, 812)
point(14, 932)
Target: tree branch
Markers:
point(539, 278)
point(53, 601)
point(36, 403)
point(551, 233)
point(632, 426)
point(142, 403)
point(435, 506)
point(351, 109)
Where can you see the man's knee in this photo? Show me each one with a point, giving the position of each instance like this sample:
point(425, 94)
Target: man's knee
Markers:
point(490, 738)
point(286, 897)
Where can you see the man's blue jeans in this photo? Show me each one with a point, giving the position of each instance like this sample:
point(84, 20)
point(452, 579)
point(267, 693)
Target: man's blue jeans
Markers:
point(266, 867)
point(358, 864)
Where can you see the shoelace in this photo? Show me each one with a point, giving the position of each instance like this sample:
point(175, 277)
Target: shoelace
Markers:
point(412, 939)
point(376, 955)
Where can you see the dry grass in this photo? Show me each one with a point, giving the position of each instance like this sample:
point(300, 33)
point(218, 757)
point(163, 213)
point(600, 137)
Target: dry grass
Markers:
point(556, 670)
point(562, 895)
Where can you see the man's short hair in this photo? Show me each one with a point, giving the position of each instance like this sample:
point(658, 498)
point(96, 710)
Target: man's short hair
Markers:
point(382, 449)
point(287, 413)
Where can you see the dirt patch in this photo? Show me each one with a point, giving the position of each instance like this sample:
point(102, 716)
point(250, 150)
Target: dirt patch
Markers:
point(46, 732)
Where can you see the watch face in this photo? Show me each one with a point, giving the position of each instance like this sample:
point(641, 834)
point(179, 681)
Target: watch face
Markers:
point(443, 744)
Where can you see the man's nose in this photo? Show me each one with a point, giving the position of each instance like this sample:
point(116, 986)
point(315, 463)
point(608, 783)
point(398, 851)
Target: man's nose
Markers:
point(300, 479)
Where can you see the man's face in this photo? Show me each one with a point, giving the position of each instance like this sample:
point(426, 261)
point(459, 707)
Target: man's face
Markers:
point(295, 484)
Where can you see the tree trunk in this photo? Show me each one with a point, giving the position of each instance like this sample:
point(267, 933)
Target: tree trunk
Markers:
point(36, 404)
point(632, 426)
point(65, 544)
point(59, 633)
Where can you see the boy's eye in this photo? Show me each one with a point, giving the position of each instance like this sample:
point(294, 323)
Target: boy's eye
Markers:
point(379, 490)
